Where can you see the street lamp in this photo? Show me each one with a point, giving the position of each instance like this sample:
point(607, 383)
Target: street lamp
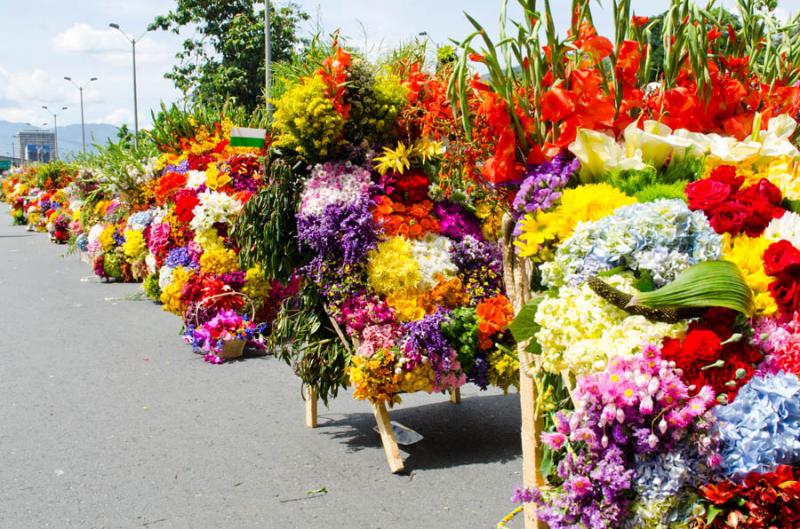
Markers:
point(55, 125)
point(267, 59)
point(83, 126)
point(135, 100)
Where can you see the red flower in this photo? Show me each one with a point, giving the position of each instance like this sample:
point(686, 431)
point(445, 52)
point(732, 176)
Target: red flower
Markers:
point(729, 218)
point(786, 292)
point(707, 194)
point(185, 202)
point(726, 174)
point(781, 257)
point(639, 21)
point(703, 346)
point(557, 104)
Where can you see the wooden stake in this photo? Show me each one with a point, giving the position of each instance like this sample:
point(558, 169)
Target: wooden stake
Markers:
point(516, 275)
point(311, 407)
point(455, 396)
point(387, 438)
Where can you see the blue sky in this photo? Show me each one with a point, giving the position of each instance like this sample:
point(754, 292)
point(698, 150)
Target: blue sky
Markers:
point(44, 41)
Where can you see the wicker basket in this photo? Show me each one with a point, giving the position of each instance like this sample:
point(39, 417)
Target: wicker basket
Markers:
point(232, 349)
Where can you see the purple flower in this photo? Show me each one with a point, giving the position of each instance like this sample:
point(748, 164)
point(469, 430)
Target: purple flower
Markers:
point(179, 257)
point(455, 222)
point(542, 185)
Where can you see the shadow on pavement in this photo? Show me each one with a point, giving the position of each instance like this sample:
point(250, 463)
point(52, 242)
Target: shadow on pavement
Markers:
point(482, 429)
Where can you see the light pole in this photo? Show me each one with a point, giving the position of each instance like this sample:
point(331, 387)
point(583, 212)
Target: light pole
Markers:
point(267, 59)
point(83, 125)
point(55, 125)
point(135, 99)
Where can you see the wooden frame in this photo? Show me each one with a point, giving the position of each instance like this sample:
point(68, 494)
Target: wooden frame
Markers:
point(516, 275)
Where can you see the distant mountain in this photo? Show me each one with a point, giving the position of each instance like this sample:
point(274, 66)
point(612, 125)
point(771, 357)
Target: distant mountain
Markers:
point(69, 136)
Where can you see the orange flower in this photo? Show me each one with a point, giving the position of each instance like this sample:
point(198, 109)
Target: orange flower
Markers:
point(494, 316)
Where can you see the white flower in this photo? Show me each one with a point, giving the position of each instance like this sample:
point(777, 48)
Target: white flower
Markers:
point(785, 228)
point(433, 257)
point(775, 140)
point(94, 233)
point(655, 142)
point(195, 179)
point(214, 207)
point(599, 153)
point(150, 261)
point(165, 277)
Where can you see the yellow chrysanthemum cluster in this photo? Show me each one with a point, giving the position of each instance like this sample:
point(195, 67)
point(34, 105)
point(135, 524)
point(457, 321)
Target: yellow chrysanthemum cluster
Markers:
point(207, 238)
point(306, 120)
point(748, 254)
point(419, 379)
point(219, 260)
point(407, 305)
point(582, 204)
point(171, 295)
point(392, 269)
point(490, 214)
point(579, 329)
point(256, 286)
point(134, 246)
point(107, 237)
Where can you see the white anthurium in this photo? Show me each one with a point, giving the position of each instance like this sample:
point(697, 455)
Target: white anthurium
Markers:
point(599, 152)
point(654, 140)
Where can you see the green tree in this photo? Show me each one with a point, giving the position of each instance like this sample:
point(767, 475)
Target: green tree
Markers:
point(224, 57)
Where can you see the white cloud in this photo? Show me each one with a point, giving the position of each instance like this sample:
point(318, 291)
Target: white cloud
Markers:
point(118, 117)
point(108, 44)
point(35, 87)
point(22, 115)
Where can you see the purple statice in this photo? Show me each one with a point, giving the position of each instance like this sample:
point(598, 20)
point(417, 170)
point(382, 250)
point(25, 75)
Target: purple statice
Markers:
point(179, 257)
point(456, 222)
point(425, 342)
point(479, 374)
point(542, 186)
point(235, 280)
point(480, 266)
point(342, 235)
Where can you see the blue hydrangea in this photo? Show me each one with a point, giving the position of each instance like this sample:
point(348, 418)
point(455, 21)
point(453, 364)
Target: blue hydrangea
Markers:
point(761, 428)
point(663, 237)
point(140, 220)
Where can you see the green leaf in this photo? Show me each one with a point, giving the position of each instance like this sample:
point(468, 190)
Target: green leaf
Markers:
point(524, 325)
point(713, 512)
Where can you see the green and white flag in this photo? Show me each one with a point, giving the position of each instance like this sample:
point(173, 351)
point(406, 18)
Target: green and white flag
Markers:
point(245, 137)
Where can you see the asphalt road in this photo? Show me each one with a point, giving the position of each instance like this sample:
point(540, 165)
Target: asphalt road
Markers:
point(107, 420)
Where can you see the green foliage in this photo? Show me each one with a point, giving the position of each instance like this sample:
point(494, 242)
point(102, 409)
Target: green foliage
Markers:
point(53, 174)
point(666, 180)
point(303, 64)
point(111, 265)
point(151, 288)
point(266, 230)
point(462, 332)
point(524, 326)
point(654, 192)
point(224, 57)
point(303, 336)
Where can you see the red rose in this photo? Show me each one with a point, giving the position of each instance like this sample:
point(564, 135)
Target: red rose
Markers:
point(707, 194)
point(726, 174)
point(185, 202)
point(702, 346)
point(719, 320)
point(729, 218)
point(761, 213)
point(786, 292)
point(780, 257)
point(769, 191)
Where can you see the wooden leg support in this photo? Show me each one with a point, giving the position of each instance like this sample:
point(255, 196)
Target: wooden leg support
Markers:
point(387, 438)
point(311, 408)
point(455, 396)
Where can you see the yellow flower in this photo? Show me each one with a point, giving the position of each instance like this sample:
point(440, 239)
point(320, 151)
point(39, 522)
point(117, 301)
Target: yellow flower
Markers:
point(107, 237)
point(406, 305)
point(134, 246)
point(215, 179)
point(171, 295)
point(419, 379)
point(582, 204)
point(426, 149)
point(256, 286)
point(397, 160)
point(748, 254)
point(391, 267)
point(219, 260)
point(784, 172)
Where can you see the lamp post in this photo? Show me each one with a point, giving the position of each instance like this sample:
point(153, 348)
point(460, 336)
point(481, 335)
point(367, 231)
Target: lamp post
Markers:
point(83, 125)
point(135, 98)
point(55, 125)
point(267, 59)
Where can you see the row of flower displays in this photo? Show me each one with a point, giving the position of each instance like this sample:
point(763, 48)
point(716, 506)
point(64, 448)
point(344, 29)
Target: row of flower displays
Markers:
point(614, 228)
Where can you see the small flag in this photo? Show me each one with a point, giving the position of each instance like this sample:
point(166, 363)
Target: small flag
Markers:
point(245, 137)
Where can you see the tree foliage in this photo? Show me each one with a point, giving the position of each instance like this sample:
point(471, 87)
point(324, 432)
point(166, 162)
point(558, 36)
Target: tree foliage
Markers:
point(224, 57)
